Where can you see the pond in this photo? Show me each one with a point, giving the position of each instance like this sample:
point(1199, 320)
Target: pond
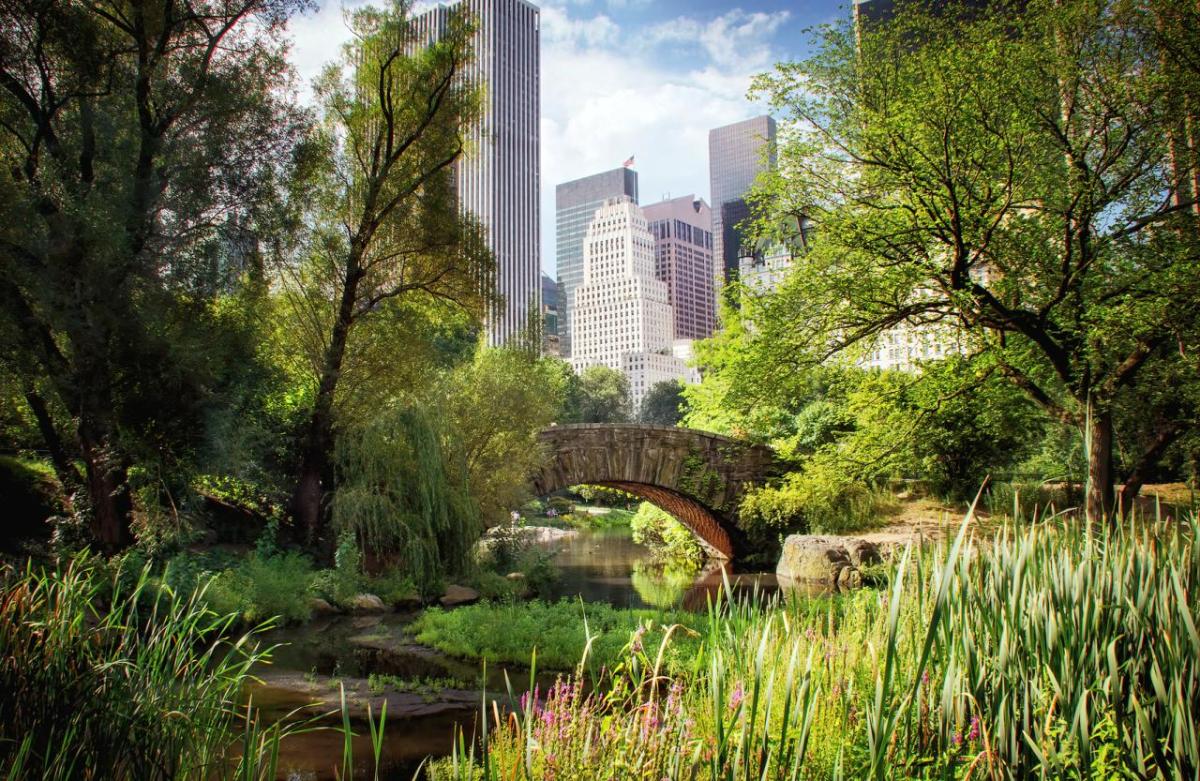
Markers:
point(428, 693)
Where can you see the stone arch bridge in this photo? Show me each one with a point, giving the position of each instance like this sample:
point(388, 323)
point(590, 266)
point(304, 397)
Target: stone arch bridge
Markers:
point(696, 476)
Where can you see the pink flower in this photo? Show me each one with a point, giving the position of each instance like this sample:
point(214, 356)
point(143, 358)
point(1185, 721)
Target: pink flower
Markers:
point(735, 699)
point(974, 731)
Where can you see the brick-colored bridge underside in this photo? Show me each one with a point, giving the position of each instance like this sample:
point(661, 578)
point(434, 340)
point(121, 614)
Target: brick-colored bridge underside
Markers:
point(698, 477)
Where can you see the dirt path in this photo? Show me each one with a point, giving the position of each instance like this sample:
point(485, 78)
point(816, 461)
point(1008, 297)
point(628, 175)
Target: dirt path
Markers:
point(928, 520)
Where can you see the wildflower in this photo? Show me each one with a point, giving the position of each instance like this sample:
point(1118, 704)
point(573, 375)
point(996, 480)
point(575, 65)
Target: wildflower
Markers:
point(735, 699)
point(973, 732)
point(925, 678)
point(635, 645)
point(957, 738)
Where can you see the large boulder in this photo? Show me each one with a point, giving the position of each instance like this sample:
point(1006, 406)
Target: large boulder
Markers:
point(459, 595)
point(832, 562)
point(862, 553)
point(320, 607)
point(366, 603)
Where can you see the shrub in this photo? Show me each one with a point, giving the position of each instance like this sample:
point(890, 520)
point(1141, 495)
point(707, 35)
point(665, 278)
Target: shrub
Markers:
point(261, 588)
point(669, 541)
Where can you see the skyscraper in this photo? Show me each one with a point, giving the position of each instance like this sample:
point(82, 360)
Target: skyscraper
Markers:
point(550, 316)
point(622, 317)
point(575, 203)
point(737, 153)
point(682, 229)
point(499, 180)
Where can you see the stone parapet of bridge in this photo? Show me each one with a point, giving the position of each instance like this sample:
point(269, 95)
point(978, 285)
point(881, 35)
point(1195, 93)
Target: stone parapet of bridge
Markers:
point(698, 477)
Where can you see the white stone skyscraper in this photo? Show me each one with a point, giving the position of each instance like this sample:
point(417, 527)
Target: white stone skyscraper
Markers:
point(499, 179)
point(622, 315)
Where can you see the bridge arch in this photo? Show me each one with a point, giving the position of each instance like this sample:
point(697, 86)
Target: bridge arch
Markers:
point(696, 476)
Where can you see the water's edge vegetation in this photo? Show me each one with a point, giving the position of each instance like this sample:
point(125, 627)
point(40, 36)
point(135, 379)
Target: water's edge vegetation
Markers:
point(1049, 650)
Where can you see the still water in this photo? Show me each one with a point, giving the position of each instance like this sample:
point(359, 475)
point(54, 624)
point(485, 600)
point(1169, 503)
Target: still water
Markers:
point(314, 661)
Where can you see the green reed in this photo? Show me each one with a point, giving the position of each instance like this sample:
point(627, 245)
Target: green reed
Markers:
point(98, 681)
point(1051, 650)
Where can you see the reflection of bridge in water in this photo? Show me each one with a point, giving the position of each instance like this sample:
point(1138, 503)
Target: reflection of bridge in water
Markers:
point(699, 478)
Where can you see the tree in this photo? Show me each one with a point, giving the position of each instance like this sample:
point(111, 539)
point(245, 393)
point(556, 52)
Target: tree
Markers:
point(384, 225)
point(598, 394)
point(1007, 178)
point(130, 134)
point(496, 405)
point(663, 404)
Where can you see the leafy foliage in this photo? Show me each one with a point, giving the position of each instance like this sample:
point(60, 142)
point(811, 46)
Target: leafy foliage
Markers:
point(669, 541)
point(1004, 181)
point(398, 496)
point(663, 404)
point(598, 394)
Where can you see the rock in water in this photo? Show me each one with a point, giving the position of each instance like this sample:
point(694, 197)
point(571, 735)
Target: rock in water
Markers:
point(459, 595)
point(827, 561)
point(320, 607)
point(861, 552)
point(367, 603)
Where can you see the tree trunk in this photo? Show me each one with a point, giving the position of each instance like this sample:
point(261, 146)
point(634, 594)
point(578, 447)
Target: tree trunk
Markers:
point(64, 466)
point(308, 499)
point(108, 493)
point(1100, 472)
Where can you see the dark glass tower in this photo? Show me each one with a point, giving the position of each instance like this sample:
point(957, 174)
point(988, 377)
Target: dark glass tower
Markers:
point(737, 154)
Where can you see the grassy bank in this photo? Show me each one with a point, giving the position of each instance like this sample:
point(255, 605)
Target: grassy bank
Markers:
point(1049, 652)
point(559, 632)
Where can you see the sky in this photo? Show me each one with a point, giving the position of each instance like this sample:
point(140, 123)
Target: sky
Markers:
point(622, 78)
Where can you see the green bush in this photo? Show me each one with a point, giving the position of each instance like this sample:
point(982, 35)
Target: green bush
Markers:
point(820, 499)
point(30, 494)
point(261, 588)
point(669, 541)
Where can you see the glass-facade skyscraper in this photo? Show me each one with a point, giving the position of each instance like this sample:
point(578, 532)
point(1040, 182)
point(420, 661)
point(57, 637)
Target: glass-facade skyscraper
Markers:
point(575, 204)
point(737, 153)
point(499, 180)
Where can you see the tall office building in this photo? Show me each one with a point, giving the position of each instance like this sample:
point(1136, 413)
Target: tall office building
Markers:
point(499, 181)
point(622, 317)
point(737, 153)
point(549, 316)
point(682, 229)
point(575, 203)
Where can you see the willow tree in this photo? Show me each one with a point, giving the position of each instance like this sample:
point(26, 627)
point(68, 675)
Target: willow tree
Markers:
point(1006, 175)
point(385, 228)
point(130, 132)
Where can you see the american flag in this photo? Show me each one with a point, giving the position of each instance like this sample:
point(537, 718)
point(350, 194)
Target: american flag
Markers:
point(628, 163)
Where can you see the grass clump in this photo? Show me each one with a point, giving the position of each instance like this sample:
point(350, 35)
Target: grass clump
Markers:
point(558, 631)
point(102, 681)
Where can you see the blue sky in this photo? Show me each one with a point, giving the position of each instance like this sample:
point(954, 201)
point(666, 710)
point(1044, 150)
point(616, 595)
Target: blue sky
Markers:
point(632, 77)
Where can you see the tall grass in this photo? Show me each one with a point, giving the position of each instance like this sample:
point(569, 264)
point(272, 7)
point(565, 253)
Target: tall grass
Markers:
point(1049, 651)
point(102, 682)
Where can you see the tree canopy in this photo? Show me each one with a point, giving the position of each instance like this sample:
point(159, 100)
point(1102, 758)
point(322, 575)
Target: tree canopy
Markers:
point(1006, 178)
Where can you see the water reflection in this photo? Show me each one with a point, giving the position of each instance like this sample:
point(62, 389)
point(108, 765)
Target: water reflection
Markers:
point(606, 565)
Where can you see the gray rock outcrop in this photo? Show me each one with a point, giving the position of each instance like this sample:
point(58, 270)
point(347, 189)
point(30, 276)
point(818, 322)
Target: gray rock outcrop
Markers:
point(833, 562)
